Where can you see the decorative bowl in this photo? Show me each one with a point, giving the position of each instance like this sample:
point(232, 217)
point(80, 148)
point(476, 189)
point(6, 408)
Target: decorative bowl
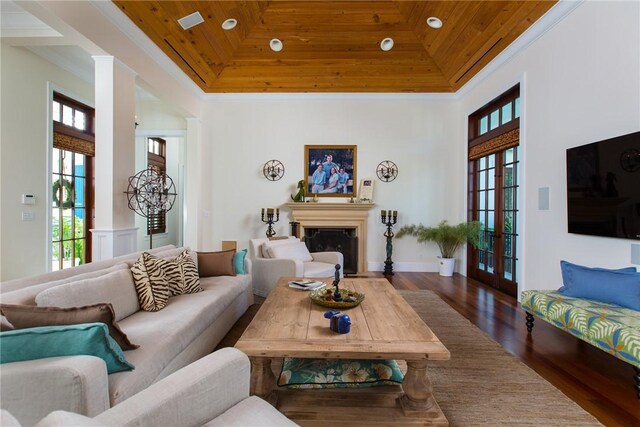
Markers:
point(318, 296)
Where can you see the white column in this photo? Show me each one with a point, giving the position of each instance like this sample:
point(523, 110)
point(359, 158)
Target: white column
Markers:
point(192, 226)
point(114, 233)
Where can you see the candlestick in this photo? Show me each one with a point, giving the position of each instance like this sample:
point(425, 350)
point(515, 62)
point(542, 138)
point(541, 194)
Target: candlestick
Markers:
point(270, 220)
point(389, 218)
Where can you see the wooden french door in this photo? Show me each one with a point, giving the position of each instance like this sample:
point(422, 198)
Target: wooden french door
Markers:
point(494, 199)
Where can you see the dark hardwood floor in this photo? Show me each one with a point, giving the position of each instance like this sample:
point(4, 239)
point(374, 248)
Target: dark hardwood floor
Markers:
point(598, 382)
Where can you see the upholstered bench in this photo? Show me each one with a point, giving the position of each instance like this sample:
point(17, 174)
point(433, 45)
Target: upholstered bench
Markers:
point(608, 326)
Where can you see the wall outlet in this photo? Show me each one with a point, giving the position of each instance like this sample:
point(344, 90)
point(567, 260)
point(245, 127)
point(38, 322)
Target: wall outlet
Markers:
point(28, 216)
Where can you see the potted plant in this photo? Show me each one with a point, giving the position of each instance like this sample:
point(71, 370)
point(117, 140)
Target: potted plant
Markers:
point(448, 238)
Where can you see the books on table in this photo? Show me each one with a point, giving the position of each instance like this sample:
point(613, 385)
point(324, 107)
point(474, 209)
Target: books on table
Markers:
point(307, 285)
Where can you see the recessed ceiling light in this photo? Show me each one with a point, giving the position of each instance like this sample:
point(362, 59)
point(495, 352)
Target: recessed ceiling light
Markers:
point(229, 24)
point(386, 44)
point(191, 20)
point(434, 22)
point(276, 45)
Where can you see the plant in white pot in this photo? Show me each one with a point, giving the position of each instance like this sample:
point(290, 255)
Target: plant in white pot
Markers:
point(448, 238)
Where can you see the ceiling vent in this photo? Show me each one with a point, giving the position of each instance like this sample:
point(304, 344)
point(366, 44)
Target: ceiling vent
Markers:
point(191, 20)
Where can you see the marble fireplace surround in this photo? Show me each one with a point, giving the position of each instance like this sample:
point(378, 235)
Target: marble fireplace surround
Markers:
point(335, 215)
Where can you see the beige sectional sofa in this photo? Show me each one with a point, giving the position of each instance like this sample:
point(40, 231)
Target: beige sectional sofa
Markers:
point(187, 329)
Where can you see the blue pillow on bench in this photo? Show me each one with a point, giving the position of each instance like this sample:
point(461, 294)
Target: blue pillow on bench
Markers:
point(621, 287)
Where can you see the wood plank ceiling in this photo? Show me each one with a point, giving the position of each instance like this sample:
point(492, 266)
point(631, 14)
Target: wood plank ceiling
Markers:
point(334, 46)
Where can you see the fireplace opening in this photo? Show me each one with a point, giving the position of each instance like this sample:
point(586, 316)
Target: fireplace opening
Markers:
point(343, 240)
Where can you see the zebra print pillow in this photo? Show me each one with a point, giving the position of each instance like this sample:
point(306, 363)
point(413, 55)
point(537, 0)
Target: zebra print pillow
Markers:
point(182, 275)
point(150, 280)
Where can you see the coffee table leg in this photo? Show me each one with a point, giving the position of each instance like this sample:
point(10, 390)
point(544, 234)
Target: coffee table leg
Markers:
point(263, 381)
point(417, 388)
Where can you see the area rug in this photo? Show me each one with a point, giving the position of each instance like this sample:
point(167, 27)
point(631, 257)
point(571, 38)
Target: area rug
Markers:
point(482, 384)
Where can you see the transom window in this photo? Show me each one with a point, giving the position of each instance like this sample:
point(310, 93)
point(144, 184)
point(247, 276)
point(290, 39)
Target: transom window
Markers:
point(497, 115)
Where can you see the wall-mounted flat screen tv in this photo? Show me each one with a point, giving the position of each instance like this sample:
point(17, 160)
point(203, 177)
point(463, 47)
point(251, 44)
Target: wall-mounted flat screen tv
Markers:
point(603, 188)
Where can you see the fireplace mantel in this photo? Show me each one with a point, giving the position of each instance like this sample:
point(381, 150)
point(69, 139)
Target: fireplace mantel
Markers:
point(330, 215)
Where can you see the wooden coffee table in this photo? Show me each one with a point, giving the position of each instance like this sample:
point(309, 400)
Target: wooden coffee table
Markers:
point(383, 327)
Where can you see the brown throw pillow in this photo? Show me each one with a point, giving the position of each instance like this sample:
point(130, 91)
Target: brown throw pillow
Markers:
point(31, 316)
point(216, 263)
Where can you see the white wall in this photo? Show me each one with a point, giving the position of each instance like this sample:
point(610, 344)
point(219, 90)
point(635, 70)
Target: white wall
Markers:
point(24, 147)
point(418, 133)
point(580, 84)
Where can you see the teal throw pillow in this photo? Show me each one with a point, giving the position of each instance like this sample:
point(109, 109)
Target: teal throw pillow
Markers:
point(238, 262)
point(338, 373)
point(90, 339)
point(620, 287)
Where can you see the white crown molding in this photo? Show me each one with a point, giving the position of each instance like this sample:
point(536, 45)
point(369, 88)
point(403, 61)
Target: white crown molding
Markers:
point(553, 16)
point(140, 39)
point(60, 60)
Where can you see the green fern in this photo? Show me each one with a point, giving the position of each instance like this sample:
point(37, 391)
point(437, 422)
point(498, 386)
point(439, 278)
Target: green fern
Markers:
point(448, 237)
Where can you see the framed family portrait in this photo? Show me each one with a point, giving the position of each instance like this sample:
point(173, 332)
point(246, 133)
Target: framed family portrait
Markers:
point(330, 170)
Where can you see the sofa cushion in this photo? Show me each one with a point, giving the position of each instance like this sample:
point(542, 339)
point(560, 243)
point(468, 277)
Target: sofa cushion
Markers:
point(238, 262)
point(115, 288)
point(150, 282)
point(292, 250)
point(28, 294)
point(338, 373)
point(621, 287)
point(91, 339)
point(164, 335)
point(182, 275)
point(319, 269)
point(251, 411)
point(211, 264)
point(265, 247)
point(29, 316)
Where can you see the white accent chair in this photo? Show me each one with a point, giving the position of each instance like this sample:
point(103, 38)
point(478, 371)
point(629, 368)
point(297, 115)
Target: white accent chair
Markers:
point(212, 392)
point(289, 259)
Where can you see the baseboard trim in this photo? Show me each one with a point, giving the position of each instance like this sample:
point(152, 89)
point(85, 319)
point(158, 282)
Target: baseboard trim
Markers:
point(414, 267)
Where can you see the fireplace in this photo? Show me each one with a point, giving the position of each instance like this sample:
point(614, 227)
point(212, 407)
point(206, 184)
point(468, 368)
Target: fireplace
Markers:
point(343, 240)
point(348, 222)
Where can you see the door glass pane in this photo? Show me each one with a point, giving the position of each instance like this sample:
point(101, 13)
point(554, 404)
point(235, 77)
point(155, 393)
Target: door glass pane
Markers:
point(508, 223)
point(79, 223)
point(484, 124)
point(55, 224)
point(67, 260)
point(508, 176)
point(494, 121)
point(80, 120)
point(507, 269)
point(79, 192)
point(506, 114)
point(492, 161)
point(55, 256)
point(482, 180)
point(491, 200)
point(508, 156)
point(508, 198)
point(67, 162)
point(67, 115)
point(56, 111)
point(55, 161)
point(491, 220)
point(80, 165)
point(481, 200)
point(67, 224)
point(79, 251)
point(483, 163)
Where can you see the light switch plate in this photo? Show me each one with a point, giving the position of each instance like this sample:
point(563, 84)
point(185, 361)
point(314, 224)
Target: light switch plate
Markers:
point(635, 254)
point(543, 198)
point(28, 216)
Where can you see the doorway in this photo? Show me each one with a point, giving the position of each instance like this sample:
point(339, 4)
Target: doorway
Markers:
point(494, 132)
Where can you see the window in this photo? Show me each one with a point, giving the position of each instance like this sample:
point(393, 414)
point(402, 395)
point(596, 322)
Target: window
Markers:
point(71, 182)
point(501, 113)
point(156, 159)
